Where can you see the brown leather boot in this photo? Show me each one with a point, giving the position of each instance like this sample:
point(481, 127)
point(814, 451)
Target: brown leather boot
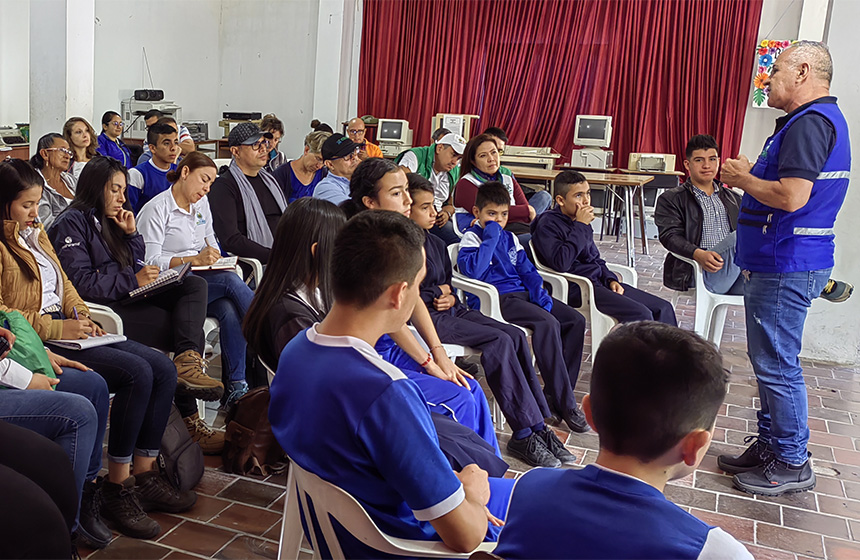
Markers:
point(193, 380)
point(210, 441)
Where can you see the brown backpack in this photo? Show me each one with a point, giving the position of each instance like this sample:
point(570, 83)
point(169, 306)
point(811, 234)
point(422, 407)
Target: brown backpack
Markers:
point(250, 446)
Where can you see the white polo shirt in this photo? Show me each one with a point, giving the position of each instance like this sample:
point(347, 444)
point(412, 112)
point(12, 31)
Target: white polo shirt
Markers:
point(170, 231)
point(440, 182)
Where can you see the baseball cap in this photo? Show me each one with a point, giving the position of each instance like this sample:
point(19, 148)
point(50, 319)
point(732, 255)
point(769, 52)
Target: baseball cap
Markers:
point(245, 134)
point(337, 146)
point(455, 141)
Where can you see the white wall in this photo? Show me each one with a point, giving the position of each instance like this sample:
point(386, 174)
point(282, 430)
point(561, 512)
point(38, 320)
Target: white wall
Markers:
point(14, 61)
point(833, 330)
point(780, 19)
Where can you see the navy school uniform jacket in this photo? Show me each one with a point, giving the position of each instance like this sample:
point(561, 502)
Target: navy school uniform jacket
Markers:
point(566, 245)
point(495, 256)
point(97, 276)
point(439, 272)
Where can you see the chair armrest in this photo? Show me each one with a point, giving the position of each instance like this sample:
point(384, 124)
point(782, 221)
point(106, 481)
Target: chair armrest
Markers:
point(557, 284)
point(486, 293)
point(106, 317)
point(697, 269)
point(256, 268)
point(627, 274)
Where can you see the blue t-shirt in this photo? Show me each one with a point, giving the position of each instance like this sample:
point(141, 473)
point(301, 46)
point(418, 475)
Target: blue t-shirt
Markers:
point(341, 412)
point(293, 188)
point(807, 144)
point(333, 188)
point(598, 513)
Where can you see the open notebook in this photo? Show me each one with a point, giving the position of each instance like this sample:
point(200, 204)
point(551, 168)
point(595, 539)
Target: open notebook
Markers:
point(224, 263)
point(166, 279)
point(87, 343)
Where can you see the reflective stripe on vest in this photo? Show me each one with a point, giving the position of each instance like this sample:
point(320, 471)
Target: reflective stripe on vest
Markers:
point(834, 175)
point(812, 231)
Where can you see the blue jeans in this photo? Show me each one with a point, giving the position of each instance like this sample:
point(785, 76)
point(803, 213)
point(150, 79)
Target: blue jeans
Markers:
point(229, 300)
point(776, 306)
point(541, 201)
point(74, 417)
point(726, 280)
point(144, 381)
point(446, 233)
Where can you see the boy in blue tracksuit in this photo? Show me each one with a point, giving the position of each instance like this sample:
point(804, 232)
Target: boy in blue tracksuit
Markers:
point(564, 241)
point(505, 352)
point(492, 255)
point(150, 177)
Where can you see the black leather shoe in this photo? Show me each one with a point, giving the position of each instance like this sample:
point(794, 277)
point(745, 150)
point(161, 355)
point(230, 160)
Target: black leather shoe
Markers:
point(756, 455)
point(91, 529)
point(157, 494)
point(551, 441)
point(775, 478)
point(533, 451)
point(575, 420)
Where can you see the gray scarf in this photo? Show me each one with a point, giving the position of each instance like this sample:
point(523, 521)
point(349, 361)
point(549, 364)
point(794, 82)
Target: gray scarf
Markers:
point(255, 221)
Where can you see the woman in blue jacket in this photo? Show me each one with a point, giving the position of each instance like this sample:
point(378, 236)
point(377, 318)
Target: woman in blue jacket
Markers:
point(109, 143)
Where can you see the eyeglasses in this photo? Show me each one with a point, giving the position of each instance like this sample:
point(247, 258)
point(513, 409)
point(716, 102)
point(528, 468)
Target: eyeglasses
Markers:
point(259, 144)
point(115, 123)
point(355, 131)
point(61, 150)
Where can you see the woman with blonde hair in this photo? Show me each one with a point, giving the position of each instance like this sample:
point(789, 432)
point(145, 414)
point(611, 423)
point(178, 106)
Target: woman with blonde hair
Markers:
point(300, 176)
point(81, 137)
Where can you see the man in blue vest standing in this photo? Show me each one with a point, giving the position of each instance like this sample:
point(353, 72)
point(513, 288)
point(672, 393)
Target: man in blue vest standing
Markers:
point(785, 251)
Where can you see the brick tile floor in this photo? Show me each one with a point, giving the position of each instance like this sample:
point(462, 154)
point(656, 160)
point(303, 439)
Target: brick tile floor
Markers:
point(239, 517)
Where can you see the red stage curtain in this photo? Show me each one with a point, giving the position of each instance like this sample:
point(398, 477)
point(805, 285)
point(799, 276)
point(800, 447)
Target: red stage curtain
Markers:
point(663, 69)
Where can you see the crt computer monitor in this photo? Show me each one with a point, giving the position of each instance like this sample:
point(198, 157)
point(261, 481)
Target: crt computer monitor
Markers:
point(593, 131)
point(392, 130)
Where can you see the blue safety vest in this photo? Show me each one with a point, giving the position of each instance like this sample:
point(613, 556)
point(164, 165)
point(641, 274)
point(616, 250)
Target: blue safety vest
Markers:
point(772, 240)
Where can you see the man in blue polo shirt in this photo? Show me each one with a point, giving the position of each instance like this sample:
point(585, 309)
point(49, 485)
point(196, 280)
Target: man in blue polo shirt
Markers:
point(340, 156)
point(785, 252)
point(655, 393)
point(379, 443)
point(150, 177)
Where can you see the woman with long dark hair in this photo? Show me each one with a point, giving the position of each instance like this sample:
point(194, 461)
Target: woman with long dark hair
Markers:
point(35, 284)
point(99, 245)
point(380, 184)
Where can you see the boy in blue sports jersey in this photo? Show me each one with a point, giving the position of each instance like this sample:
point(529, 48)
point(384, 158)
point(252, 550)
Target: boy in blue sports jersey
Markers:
point(150, 177)
point(379, 443)
point(493, 255)
point(655, 393)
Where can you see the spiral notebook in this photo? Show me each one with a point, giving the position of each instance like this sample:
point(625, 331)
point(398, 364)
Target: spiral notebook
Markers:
point(86, 343)
point(166, 279)
point(224, 263)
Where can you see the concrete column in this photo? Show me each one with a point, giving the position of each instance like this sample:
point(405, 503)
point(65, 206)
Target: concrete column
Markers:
point(813, 19)
point(336, 67)
point(62, 47)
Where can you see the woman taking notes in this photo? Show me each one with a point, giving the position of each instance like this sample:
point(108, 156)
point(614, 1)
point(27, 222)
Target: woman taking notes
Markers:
point(177, 228)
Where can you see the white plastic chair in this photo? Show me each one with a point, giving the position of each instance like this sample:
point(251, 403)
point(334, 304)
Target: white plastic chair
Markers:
point(600, 322)
point(711, 308)
point(330, 501)
point(256, 270)
point(219, 162)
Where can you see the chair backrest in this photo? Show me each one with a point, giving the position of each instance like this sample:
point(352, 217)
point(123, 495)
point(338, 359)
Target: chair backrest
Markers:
point(220, 162)
point(330, 501)
point(453, 251)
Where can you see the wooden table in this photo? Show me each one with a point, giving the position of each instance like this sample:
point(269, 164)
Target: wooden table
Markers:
point(628, 183)
point(15, 152)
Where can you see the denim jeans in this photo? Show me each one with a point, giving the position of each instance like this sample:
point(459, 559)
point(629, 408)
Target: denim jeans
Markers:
point(229, 300)
point(541, 201)
point(726, 280)
point(144, 381)
point(776, 305)
point(74, 418)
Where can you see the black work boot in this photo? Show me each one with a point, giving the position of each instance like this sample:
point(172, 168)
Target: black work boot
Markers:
point(121, 507)
point(776, 477)
point(157, 494)
point(753, 457)
point(91, 529)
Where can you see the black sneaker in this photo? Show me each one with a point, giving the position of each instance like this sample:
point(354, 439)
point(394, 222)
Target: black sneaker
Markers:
point(776, 478)
point(575, 420)
point(533, 451)
point(121, 506)
point(469, 367)
point(157, 494)
point(837, 291)
point(91, 529)
point(551, 441)
point(753, 457)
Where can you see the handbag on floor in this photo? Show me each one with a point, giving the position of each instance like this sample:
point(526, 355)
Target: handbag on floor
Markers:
point(180, 459)
point(250, 446)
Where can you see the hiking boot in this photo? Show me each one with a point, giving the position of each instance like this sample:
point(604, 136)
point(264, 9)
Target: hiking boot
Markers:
point(210, 441)
point(121, 506)
point(155, 493)
point(91, 529)
point(192, 378)
point(533, 451)
point(837, 291)
point(554, 445)
point(238, 389)
point(776, 477)
point(575, 420)
point(753, 457)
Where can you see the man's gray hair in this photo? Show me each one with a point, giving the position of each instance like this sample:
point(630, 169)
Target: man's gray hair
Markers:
point(817, 55)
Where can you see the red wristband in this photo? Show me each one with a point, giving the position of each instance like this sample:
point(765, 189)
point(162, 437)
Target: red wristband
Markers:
point(427, 361)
